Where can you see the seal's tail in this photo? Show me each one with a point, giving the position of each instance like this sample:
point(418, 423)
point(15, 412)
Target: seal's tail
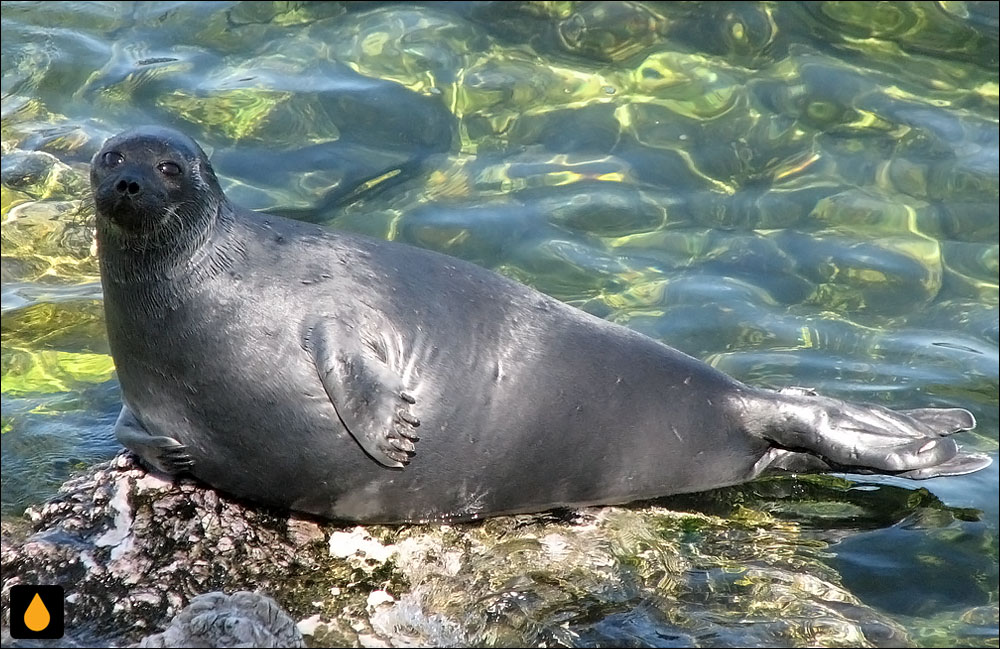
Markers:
point(811, 432)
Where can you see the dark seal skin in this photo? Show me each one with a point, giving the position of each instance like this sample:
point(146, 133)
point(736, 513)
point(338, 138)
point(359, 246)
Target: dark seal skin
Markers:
point(372, 381)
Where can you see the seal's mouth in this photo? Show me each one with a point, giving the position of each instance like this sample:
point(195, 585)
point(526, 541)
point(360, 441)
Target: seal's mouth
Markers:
point(131, 202)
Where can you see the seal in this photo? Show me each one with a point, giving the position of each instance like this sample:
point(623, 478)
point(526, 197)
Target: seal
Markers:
point(371, 381)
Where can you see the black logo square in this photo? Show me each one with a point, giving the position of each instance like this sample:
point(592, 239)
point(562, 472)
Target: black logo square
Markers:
point(37, 612)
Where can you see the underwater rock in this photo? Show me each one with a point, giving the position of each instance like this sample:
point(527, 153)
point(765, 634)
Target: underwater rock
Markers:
point(40, 175)
point(243, 619)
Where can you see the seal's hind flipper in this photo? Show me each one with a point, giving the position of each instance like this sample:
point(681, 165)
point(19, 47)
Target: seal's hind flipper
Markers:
point(164, 454)
point(861, 438)
point(944, 421)
point(368, 394)
point(959, 465)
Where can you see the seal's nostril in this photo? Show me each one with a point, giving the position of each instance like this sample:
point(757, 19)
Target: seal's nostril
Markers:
point(128, 186)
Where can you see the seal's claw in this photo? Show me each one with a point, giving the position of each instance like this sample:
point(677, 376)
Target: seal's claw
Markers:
point(408, 434)
point(404, 432)
point(176, 449)
point(169, 455)
point(166, 454)
point(402, 444)
point(409, 418)
point(401, 458)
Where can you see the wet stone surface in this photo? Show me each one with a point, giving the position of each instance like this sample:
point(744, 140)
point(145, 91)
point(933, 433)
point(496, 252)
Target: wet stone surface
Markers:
point(134, 553)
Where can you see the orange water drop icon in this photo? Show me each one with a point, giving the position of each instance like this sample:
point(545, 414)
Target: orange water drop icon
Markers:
point(37, 616)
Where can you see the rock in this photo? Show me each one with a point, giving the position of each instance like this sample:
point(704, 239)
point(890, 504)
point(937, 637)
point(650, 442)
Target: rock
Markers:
point(135, 554)
point(242, 619)
point(132, 549)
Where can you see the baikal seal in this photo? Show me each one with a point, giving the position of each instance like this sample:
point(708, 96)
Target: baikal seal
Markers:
point(371, 381)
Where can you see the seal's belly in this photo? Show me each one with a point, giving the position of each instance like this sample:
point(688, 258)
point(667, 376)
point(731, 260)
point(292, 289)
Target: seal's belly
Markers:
point(587, 419)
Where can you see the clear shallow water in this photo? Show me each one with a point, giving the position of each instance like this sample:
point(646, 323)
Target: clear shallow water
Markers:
point(799, 194)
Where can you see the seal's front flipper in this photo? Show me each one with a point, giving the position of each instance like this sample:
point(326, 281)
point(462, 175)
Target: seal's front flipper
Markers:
point(368, 394)
point(164, 454)
point(859, 438)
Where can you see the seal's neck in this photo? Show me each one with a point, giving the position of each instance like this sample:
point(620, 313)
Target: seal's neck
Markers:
point(167, 265)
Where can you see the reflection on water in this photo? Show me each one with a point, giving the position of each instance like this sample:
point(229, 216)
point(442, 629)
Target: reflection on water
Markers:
point(796, 193)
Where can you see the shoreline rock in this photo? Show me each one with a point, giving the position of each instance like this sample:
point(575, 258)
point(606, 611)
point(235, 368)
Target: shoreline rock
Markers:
point(133, 550)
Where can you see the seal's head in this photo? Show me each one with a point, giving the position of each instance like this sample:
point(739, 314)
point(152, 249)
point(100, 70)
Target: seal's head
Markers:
point(150, 183)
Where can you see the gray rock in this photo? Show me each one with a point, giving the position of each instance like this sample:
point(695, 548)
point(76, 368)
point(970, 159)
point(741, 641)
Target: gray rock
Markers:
point(131, 550)
point(242, 619)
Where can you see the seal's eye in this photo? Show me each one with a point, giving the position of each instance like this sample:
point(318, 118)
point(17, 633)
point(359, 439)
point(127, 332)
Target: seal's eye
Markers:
point(169, 168)
point(113, 158)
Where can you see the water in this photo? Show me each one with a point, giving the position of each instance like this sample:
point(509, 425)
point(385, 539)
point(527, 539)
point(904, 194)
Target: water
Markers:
point(799, 194)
